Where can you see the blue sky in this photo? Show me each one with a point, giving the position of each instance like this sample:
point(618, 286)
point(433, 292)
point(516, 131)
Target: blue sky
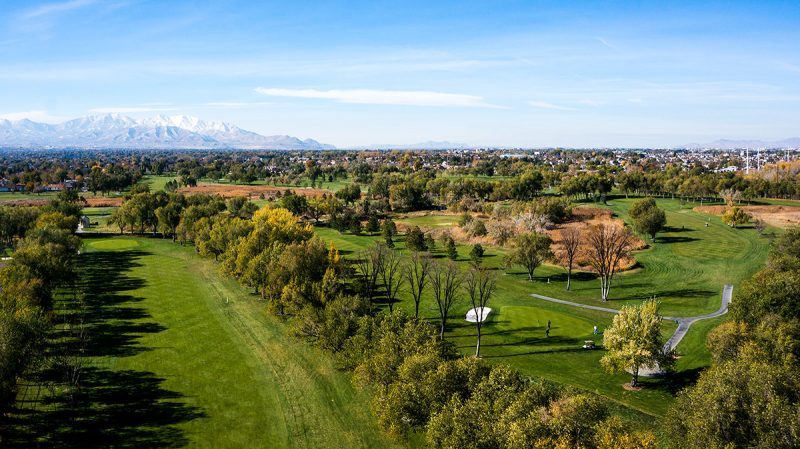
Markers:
point(513, 73)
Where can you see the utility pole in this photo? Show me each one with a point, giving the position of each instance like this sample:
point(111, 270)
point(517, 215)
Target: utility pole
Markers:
point(758, 160)
point(747, 160)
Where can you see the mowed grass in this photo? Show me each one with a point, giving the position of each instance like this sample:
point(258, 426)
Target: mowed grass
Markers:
point(15, 196)
point(156, 182)
point(685, 270)
point(182, 356)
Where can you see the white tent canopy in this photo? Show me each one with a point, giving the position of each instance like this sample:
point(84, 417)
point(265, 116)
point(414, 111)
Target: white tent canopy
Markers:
point(478, 313)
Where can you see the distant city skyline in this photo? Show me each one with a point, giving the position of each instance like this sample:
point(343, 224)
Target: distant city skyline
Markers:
point(504, 73)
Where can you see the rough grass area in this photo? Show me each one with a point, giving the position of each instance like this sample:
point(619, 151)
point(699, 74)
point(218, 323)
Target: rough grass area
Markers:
point(180, 356)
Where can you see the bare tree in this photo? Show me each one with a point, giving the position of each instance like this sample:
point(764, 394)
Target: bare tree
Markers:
point(607, 246)
point(369, 264)
point(416, 272)
point(570, 244)
point(391, 274)
point(445, 279)
point(480, 284)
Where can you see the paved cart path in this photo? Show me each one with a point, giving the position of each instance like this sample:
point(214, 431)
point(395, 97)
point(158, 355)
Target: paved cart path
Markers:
point(683, 322)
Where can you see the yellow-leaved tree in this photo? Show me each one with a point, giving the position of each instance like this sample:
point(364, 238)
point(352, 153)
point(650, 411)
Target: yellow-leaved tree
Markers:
point(634, 341)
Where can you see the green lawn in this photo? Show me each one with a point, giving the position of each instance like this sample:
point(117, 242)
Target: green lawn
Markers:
point(182, 356)
point(685, 270)
point(13, 196)
point(156, 182)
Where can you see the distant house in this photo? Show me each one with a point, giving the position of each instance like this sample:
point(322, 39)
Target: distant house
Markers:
point(728, 169)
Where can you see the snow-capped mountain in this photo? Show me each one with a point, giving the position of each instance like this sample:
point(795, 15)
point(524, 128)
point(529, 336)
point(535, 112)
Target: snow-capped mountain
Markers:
point(160, 132)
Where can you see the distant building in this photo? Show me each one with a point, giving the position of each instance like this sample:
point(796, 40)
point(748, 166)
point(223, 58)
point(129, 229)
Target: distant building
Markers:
point(728, 169)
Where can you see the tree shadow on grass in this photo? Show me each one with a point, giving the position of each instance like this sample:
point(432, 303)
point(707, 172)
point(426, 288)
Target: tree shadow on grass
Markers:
point(673, 382)
point(675, 293)
point(667, 239)
point(577, 276)
point(672, 229)
point(125, 409)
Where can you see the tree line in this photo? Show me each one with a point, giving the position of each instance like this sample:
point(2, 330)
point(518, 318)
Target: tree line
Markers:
point(750, 396)
point(43, 259)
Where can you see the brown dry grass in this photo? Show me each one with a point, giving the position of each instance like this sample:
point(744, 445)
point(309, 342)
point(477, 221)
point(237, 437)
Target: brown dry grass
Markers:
point(582, 219)
point(230, 190)
point(779, 216)
point(99, 201)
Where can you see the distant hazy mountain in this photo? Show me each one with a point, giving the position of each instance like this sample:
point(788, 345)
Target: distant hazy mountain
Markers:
point(727, 144)
point(161, 132)
point(429, 145)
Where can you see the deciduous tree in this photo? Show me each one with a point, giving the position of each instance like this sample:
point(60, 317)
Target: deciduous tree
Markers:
point(480, 284)
point(634, 340)
point(416, 272)
point(607, 246)
point(570, 246)
point(530, 250)
point(446, 281)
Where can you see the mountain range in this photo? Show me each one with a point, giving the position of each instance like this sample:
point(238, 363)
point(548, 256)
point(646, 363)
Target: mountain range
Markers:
point(728, 144)
point(160, 132)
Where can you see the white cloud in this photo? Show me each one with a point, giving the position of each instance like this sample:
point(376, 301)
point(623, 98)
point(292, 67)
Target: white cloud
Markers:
point(128, 109)
point(54, 8)
point(391, 97)
point(236, 104)
point(589, 102)
point(36, 116)
point(546, 105)
point(605, 43)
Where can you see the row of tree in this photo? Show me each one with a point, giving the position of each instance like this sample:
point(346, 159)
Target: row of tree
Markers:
point(42, 261)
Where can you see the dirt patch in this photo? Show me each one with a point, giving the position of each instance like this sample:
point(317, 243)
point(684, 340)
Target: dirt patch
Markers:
point(252, 192)
point(779, 216)
point(630, 387)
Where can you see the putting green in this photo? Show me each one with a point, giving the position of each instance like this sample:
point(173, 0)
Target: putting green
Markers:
point(567, 325)
point(114, 244)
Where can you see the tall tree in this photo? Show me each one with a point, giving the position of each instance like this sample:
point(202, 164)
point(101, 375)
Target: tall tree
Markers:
point(416, 272)
point(445, 280)
point(634, 340)
point(530, 250)
point(570, 245)
point(369, 264)
point(647, 217)
point(480, 284)
point(607, 245)
point(391, 274)
point(651, 222)
point(415, 239)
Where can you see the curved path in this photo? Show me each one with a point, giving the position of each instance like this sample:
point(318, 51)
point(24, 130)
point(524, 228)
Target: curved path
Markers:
point(683, 322)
